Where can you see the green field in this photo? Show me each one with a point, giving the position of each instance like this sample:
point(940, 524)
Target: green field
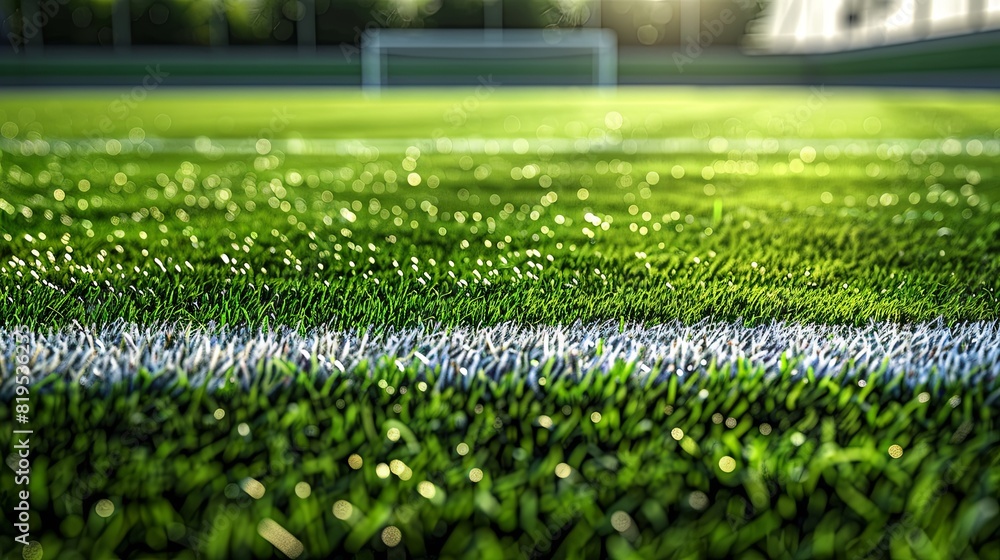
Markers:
point(896, 233)
point(283, 212)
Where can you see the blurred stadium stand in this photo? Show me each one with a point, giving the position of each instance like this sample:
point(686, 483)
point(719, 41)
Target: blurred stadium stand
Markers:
point(938, 43)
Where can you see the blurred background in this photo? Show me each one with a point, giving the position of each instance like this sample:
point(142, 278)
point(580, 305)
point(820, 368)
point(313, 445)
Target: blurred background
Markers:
point(945, 43)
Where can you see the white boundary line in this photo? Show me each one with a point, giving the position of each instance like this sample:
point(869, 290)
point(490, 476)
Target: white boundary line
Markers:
point(975, 147)
point(967, 354)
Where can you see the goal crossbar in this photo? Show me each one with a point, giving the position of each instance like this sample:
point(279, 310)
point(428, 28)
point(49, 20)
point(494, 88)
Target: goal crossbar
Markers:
point(376, 43)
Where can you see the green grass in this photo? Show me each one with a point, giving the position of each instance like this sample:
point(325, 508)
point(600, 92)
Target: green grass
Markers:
point(802, 228)
point(897, 234)
point(820, 483)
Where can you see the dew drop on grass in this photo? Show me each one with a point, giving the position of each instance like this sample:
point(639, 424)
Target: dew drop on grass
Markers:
point(9, 130)
point(278, 536)
point(613, 120)
point(32, 551)
point(104, 508)
point(253, 487)
point(698, 500)
point(342, 509)
point(392, 536)
point(621, 521)
point(563, 470)
point(511, 124)
point(427, 489)
point(872, 125)
point(807, 154)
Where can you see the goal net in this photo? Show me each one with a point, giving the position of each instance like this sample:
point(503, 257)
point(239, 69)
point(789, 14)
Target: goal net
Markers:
point(515, 56)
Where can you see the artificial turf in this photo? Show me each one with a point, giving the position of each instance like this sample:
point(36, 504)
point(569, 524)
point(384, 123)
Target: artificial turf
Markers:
point(875, 206)
point(453, 210)
point(764, 463)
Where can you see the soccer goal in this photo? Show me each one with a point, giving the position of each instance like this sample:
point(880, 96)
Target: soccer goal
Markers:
point(446, 46)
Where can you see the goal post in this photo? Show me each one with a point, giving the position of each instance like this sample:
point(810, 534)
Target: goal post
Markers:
point(489, 43)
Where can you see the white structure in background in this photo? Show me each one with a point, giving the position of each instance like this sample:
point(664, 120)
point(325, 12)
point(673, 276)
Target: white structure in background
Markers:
point(810, 26)
point(602, 44)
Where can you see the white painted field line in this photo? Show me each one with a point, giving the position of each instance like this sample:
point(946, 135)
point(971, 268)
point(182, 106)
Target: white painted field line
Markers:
point(967, 354)
point(218, 147)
